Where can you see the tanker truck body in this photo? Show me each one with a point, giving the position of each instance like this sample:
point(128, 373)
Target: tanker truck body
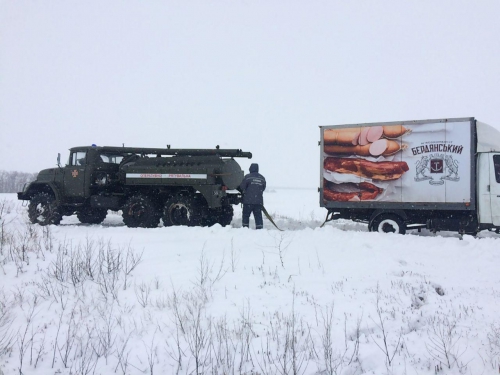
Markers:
point(439, 174)
point(194, 187)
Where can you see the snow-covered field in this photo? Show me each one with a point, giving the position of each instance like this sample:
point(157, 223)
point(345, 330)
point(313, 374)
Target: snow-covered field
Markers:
point(102, 299)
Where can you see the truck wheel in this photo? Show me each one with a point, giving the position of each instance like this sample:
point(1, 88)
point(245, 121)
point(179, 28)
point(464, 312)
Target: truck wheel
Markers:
point(209, 219)
point(388, 223)
point(181, 210)
point(91, 215)
point(207, 215)
point(139, 211)
point(222, 215)
point(44, 210)
point(225, 215)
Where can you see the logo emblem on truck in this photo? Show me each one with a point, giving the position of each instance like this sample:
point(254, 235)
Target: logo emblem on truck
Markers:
point(437, 164)
point(74, 173)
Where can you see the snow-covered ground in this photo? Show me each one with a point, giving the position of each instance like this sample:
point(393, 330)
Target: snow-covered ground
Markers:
point(101, 299)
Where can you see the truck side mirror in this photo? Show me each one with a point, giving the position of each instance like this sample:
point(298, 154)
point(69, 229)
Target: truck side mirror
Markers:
point(59, 159)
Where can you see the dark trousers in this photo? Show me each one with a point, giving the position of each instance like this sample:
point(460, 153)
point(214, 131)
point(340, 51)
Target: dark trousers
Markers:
point(256, 209)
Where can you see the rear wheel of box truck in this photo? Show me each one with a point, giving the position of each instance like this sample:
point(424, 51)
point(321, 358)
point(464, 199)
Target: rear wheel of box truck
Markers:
point(387, 223)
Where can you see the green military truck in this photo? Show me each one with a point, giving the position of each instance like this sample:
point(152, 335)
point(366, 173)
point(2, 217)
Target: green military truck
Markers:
point(193, 187)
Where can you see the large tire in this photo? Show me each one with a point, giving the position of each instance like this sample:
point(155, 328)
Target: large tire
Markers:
point(44, 210)
point(388, 223)
point(140, 211)
point(91, 215)
point(182, 209)
point(225, 215)
point(221, 215)
point(207, 217)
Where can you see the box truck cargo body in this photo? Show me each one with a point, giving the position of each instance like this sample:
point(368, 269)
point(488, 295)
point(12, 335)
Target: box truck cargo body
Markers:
point(439, 174)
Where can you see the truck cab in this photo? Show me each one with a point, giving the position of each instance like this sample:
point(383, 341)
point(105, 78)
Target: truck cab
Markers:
point(89, 171)
point(489, 190)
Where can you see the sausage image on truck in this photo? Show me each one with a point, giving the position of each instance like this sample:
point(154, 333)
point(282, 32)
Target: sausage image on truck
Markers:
point(439, 174)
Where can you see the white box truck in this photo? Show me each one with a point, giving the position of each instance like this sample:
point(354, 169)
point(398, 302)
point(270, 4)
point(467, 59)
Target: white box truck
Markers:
point(439, 174)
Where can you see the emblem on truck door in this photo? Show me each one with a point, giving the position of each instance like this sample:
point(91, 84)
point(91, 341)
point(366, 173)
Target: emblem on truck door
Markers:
point(437, 164)
point(74, 173)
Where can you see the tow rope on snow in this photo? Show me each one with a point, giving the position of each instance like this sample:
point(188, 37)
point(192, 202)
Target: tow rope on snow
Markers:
point(330, 216)
point(327, 219)
point(270, 218)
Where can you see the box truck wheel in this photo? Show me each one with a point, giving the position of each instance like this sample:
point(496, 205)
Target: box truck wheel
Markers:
point(388, 223)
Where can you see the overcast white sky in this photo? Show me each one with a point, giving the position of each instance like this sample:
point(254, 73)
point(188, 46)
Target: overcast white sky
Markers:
point(255, 75)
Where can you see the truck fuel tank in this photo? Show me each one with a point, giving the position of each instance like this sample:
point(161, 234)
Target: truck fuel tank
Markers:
point(189, 170)
point(231, 174)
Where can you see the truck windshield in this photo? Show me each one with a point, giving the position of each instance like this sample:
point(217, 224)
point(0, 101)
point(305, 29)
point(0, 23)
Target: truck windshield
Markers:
point(111, 158)
point(78, 158)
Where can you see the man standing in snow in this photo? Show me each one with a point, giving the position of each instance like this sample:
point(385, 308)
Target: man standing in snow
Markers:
point(252, 187)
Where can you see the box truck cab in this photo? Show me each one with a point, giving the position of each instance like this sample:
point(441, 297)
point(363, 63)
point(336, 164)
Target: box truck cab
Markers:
point(441, 174)
point(488, 167)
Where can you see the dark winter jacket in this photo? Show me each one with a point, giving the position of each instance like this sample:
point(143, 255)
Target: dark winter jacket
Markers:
point(252, 186)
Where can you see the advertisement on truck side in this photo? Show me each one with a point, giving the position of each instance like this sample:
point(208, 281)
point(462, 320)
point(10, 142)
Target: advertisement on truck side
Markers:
point(412, 163)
